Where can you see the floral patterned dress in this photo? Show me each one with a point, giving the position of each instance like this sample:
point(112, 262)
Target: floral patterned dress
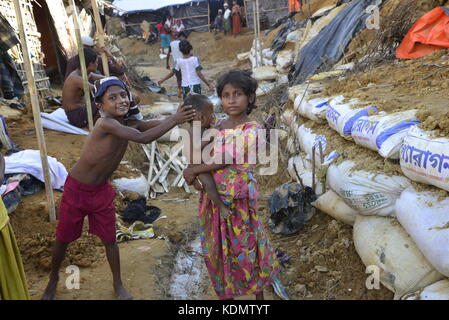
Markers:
point(237, 253)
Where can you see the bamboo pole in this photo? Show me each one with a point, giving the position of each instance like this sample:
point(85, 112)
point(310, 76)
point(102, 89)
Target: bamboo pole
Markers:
point(256, 43)
point(208, 14)
point(100, 36)
point(83, 67)
point(258, 32)
point(36, 114)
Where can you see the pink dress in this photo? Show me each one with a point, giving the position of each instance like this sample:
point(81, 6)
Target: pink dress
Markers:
point(237, 253)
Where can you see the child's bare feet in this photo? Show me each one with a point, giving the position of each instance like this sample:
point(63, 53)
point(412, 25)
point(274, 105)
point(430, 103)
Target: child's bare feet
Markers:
point(225, 212)
point(50, 291)
point(121, 293)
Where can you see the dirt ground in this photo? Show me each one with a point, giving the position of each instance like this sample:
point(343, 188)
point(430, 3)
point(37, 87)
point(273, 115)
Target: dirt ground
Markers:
point(323, 264)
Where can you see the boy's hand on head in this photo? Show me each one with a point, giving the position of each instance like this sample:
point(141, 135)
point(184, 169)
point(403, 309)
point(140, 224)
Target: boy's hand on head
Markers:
point(184, 114)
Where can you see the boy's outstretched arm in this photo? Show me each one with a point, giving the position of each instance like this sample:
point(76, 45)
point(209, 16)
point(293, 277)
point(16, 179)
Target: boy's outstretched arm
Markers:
point(112, 126)
point(171, 74)
point(208, 84)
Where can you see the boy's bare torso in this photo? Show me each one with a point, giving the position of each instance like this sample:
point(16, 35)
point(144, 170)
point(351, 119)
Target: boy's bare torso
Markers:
point(73, 93)
point(100, 156)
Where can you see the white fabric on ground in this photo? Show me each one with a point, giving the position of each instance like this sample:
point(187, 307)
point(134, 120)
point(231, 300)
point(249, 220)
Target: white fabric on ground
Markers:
point(29, 161)
point(58, 121)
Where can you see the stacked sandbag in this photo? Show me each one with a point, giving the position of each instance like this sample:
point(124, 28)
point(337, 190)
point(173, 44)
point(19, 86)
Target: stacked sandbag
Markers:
point(425, 158)
point(384, 133)
point(437, 291)
point(366, 192)
point(301, 169)
point(332, 204)
point(426, 219)
point(308, 140)
point(342, 116)
point(382, 242)
point(284, 60)
point(313, 109)
point(265, 73)
point(305, 89)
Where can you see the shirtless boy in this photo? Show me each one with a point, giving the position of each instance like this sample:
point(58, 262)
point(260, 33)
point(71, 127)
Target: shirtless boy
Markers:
point(205, 116)
point(87, 190)
point(73, 91)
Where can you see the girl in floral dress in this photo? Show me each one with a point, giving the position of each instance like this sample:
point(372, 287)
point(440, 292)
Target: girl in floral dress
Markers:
point(237, 253)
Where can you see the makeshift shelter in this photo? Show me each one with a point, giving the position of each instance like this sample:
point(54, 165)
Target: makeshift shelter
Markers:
point(271, 10)
point(51, 38)
point(194, 14)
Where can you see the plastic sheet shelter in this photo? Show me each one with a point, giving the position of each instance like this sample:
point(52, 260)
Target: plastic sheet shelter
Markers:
point(195, 15)
point(430, 33)
point(271, 9)
point(329, 46)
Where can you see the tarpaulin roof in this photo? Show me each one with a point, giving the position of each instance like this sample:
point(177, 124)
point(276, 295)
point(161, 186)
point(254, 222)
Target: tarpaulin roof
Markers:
point(139, 5)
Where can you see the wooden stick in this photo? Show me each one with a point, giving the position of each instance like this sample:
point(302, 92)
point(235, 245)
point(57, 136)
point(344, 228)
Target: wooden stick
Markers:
point(313, 168)
point(83, 67)
point(150, 169)
point(208, 14)
point(258, 32)
point(100, 35)
point(172, 157)
point(255, 33)
point(36, 114)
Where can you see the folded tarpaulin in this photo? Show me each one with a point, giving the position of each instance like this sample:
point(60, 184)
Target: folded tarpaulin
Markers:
point(328, 47)
point(428, 34)
point(29, 161)
point(57, 120)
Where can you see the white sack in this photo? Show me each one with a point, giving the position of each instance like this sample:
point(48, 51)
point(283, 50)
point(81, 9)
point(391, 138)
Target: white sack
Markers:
point(425, 159)
point(334, 206)
point(427, 221)
point(437, 291)
point(366, 192)
point(384, 133)
point(382, 242)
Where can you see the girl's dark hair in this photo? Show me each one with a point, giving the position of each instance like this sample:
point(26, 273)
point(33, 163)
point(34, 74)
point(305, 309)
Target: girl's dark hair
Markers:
point(185, 47)
point(243, 80)
point(90, 55)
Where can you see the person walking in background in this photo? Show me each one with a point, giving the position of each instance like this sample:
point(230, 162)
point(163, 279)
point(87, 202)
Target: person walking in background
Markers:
point(176, 54)
point(190, 69)
point(163, 34)
point(227, 19)
point(236, 21)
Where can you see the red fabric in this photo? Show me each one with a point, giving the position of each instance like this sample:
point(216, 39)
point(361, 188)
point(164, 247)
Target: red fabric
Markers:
point(161, 29)
point(294, 6)
point(80, 200)
point(430, 33)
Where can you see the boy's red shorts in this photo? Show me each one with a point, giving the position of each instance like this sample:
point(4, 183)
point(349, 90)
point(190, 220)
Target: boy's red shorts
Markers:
point(80, 200)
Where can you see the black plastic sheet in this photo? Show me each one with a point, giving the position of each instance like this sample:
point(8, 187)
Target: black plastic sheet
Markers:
point(290, 208)
point(328, 47)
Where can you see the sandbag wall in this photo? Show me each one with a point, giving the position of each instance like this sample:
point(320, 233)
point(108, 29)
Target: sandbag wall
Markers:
point(396, 228)
point(402, 231)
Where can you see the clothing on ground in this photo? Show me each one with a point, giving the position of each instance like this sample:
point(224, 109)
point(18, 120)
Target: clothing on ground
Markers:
point(237, 253)
point(29, 161)
point(13, 284)
point(80, 200)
